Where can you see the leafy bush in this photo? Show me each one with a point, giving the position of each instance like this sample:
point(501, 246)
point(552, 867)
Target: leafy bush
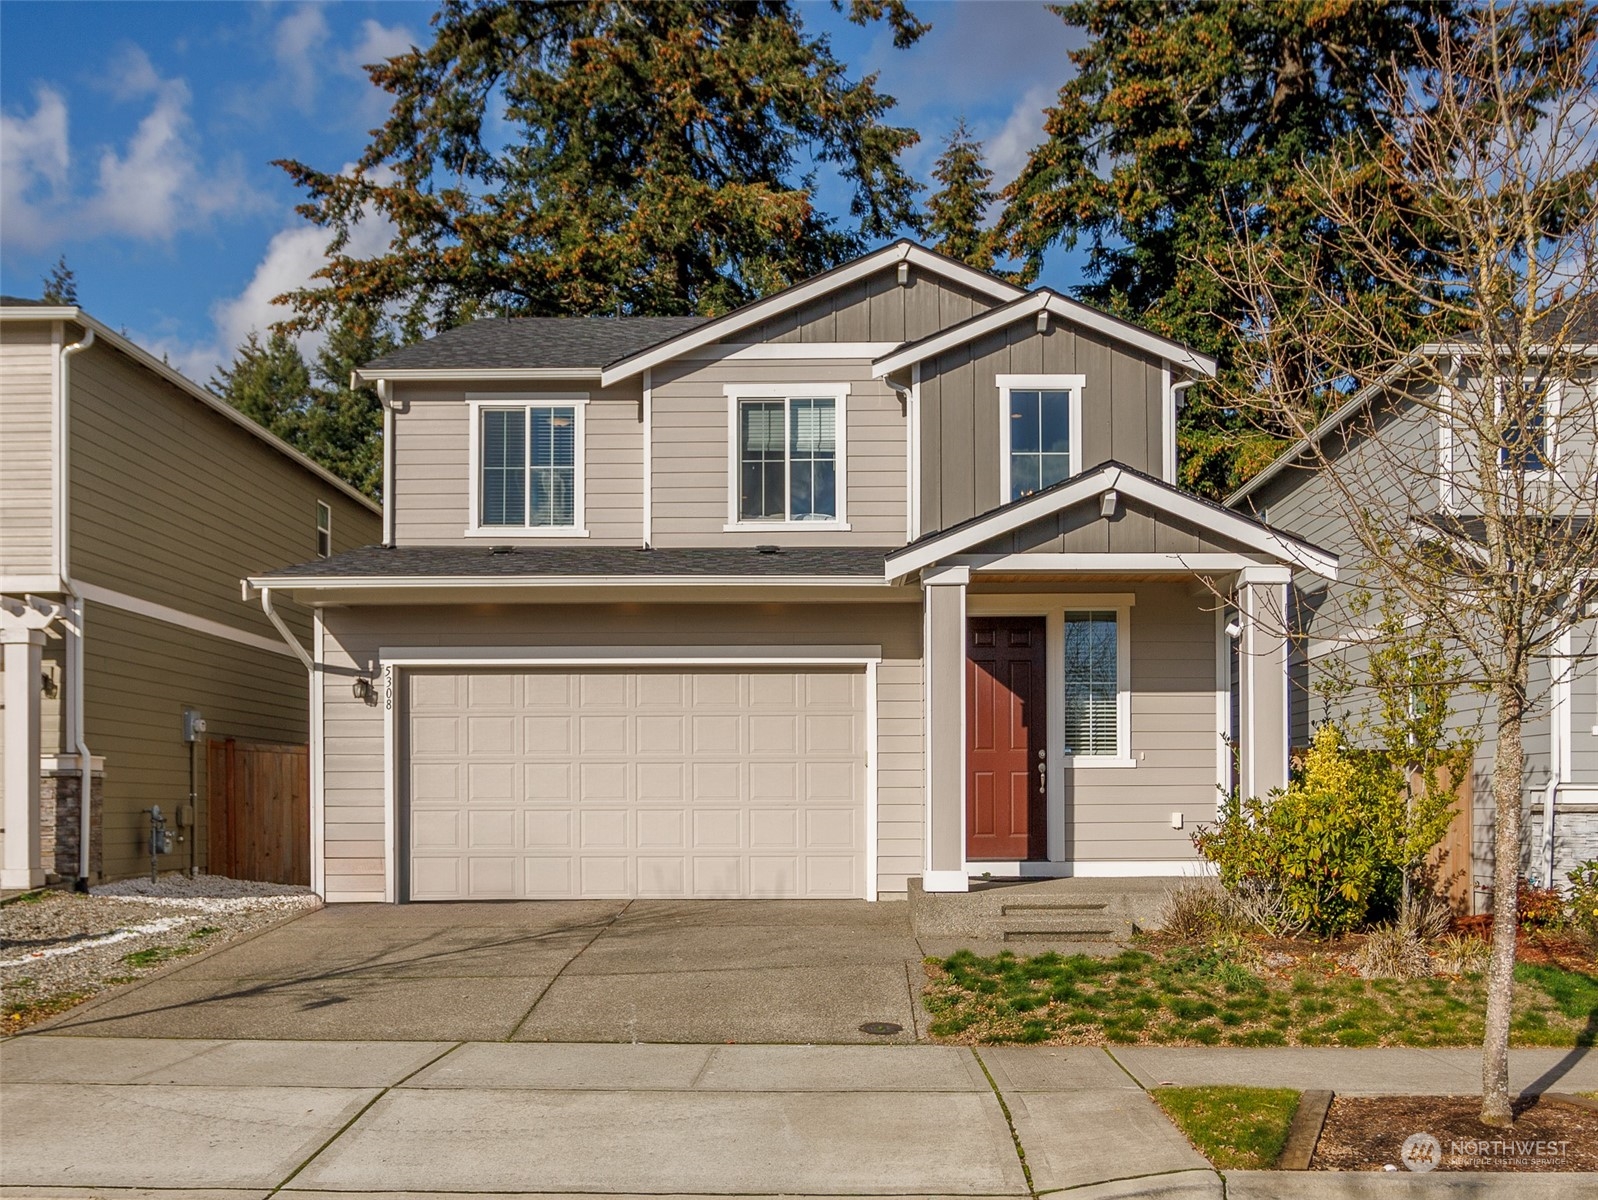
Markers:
point(1539, 908)
point(1584, 896)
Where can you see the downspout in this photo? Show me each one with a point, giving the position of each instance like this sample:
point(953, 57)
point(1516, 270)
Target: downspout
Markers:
point(285, 634)
point(912, 417)
point(1177, 389)
point(387, 402)
point(76, 624)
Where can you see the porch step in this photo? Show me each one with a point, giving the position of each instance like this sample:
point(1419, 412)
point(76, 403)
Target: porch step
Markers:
point(1064, 927)
point(1069, 916)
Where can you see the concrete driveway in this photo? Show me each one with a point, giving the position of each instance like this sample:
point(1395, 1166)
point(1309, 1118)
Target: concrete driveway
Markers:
point(647, 971)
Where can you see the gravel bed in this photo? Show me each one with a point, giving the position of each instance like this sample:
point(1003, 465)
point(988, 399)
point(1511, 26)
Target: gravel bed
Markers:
point(61, 948)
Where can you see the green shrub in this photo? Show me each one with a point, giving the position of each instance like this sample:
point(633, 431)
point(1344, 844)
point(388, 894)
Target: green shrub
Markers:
point(1325, 843)
point(1584, 896)
point(1539, 908)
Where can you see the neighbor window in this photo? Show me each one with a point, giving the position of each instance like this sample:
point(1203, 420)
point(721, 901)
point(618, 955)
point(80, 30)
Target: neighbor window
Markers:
point(1525, 444)
point(1041, 419)
point(787, 451)
point(1093, 684)
point(324, 531)
point(527, 467)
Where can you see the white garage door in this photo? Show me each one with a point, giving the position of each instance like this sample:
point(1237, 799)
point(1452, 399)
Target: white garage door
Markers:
point(636, 782)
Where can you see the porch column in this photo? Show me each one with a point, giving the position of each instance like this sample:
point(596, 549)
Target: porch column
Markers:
point(1262, 679)
point(24, 647)
point(943, 652)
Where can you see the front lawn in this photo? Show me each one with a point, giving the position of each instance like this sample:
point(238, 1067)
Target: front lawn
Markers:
point(1196, 995)
point(1236, 1128)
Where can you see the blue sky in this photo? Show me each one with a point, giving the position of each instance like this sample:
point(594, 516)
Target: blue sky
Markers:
point(137, 138)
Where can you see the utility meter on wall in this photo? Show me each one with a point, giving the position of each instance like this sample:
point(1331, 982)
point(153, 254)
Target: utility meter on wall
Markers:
point(193, 725)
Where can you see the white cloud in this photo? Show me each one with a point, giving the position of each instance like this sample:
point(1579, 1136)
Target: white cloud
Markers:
point(151, 188)
point(1007, 148)
point(34, 163)
point(377, 42)
point(297, 47)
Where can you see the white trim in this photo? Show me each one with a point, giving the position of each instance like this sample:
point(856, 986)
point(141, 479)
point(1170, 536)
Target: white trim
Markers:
point(646, 415)
point(183, 620)
point(479, 403)
point(913, 453)
point(1157, 563)
point(147, 360)
point(1045, 301)
point(1561, 672)
point(30, 583)
point(58, 458)
point(838, 393)
point(867, 658)
point(1553, 405)
point(945, 881)
point(803, 293)
point(1157, 495)
point(1122, 607)
point(1167, 425)
point(480, 374)
point(322, 506)
point(788, 351)
point(318, 757)
point(1223, 707)
point(371, 582)
point(1032, 604)
point(1074, 384)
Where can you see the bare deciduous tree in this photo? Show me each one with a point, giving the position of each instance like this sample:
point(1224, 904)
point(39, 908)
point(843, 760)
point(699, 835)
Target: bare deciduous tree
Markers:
point(1464, 469)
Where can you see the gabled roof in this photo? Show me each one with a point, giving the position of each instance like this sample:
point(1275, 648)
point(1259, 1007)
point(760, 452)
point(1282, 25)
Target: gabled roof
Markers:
point(1111, 476)
point(531, 343)
point(902, 251)
point(12, 309)
point(1029, 305)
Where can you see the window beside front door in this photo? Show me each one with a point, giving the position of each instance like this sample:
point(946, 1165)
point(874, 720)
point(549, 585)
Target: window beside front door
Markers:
point(528, 468)
point(1041, 432)
point(1096, 700)
point(787, 457)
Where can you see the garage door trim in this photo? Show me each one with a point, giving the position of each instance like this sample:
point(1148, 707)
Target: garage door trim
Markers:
point(397, 658)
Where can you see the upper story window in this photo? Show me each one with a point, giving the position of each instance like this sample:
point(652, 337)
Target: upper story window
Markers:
point(786, 456)
point(1524, 448)
point(527, 466)
point(1041, 432)
point(324, 531)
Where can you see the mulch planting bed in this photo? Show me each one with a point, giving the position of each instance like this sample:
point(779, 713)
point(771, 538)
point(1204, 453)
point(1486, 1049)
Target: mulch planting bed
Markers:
point(1369, 1133)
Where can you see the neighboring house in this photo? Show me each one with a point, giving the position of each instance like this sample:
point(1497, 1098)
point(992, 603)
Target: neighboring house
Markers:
point(131, 502)
point(1397, 421)
point(882, 579)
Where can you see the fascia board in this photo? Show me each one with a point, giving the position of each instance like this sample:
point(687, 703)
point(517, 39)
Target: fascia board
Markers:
point(474, 374)
point(800, 294)
point(144, 358)
point(362, 582)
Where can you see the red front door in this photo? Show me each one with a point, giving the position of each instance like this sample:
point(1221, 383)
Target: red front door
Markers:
point(1006, 732)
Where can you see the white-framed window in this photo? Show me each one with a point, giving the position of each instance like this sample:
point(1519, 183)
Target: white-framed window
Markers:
point(1040, 432)
point(1528, 446)
point(527, 465)
point(324, 530)
point(787, 454)
point(1097, 697)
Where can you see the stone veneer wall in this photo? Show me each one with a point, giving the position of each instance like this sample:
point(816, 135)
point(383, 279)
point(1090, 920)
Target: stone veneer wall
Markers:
point(60, 822)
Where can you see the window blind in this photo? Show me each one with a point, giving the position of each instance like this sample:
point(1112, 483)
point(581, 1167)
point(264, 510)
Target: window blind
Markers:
point(504, 465)
point(1092, 684)
point(553, 467)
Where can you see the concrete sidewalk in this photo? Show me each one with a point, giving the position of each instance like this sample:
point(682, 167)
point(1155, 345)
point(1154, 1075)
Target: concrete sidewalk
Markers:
point(204, 1119)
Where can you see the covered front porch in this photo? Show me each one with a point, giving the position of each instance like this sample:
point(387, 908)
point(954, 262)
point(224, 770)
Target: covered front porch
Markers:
point(1104, 660)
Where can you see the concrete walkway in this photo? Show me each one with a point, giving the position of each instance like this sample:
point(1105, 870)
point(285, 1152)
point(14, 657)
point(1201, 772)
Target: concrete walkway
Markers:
point(214, 1119)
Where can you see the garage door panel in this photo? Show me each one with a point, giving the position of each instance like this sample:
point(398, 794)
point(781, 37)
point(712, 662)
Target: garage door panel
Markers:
point(636, 782)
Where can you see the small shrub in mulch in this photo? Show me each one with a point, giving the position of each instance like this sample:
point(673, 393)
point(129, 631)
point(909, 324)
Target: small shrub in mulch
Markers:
point(1368, 1133)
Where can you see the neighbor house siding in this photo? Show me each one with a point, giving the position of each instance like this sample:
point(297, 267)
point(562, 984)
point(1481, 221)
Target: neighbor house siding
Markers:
point(27, 518)
point(432, 462)
point(690, 415)
point(1123, 406)
point(353, 745)
point(877, 309)
point(139, 676)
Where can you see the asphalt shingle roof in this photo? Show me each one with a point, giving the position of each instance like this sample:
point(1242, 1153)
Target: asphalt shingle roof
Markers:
point(476, 561)
point(532, 342)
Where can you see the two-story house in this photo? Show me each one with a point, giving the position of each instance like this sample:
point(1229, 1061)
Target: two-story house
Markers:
point(1403, 444)
point(131, 501)
point(883, 578)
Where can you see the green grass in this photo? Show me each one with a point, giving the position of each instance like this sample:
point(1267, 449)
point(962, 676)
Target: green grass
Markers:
point(155, 955)
point(1199, 996)
point(1236, 1128)
point(203, 931)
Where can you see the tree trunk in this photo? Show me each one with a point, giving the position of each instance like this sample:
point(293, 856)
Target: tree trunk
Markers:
point(1508, 765)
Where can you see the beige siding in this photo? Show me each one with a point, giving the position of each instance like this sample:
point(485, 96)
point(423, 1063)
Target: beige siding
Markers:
point(877, 309)
point(690, 418)
point(1123, 407)
point(1124, 813)
point(27, 356)
point(139, 675)
point(1136, 528)
point(432, 463)
point(173, 503)
point(353, 748)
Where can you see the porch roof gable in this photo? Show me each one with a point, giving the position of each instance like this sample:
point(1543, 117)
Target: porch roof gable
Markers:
point(970, 536)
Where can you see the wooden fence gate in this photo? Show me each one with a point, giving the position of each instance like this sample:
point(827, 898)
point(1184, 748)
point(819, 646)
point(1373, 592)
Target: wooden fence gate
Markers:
point(259, 811)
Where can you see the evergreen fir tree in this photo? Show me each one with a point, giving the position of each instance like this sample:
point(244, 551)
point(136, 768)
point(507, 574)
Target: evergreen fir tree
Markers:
point(956, 210)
